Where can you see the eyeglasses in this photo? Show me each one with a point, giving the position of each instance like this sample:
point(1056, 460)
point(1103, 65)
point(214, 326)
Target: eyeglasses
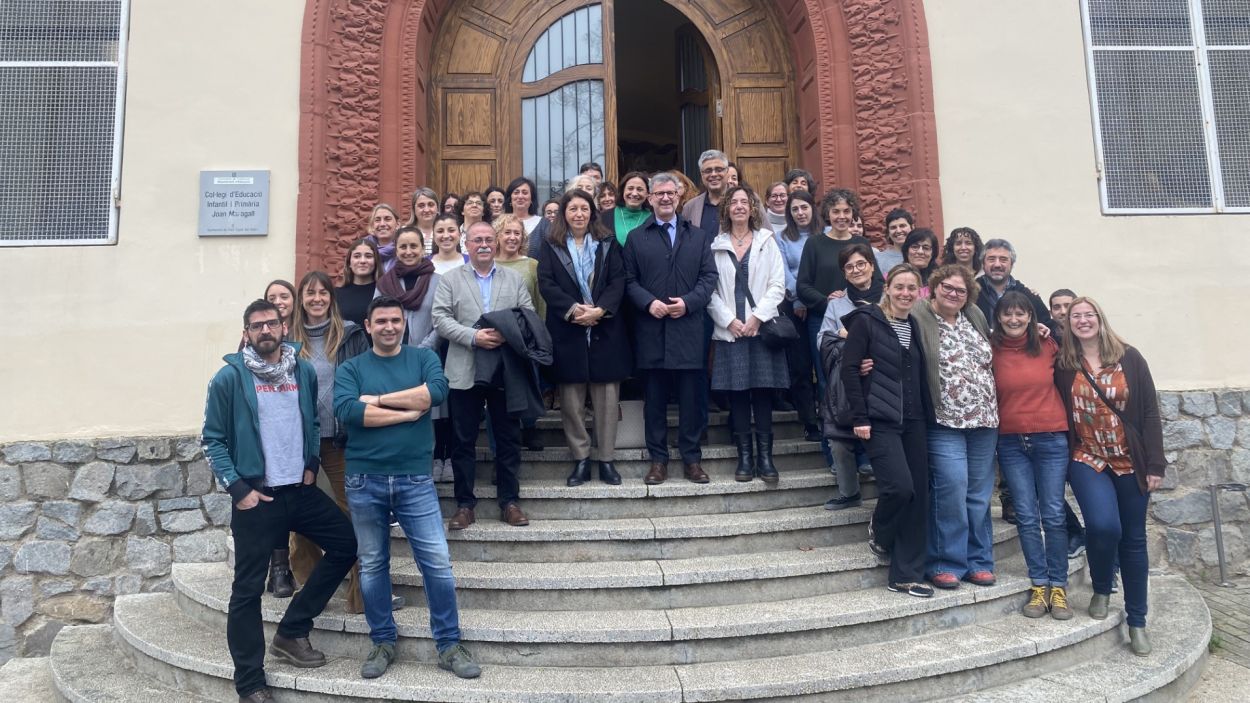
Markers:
point(856, 266)
point(922, 247)
point(664, 194)
point(264, 324)
point(1082, 316)
point(948, 289)
point(714, 170)
point(778, 196)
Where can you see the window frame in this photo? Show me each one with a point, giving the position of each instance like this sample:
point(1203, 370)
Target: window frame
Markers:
point(119, 115)
point(1199, 49)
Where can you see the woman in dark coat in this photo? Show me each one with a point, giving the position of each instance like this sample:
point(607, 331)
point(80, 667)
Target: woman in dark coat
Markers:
point(582, 278)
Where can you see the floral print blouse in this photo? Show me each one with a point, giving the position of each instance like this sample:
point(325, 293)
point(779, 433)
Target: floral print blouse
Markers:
point(1102, 443)
point(968, 399)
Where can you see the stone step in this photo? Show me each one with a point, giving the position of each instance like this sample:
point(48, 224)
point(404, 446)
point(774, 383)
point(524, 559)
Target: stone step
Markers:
point(1180, 631)
point(786, 425)
point(553, 500)
point(27, 679)
point(169, 644)
point(688, 581)
point(87, 667)
point(555, 463)
point(648, 636)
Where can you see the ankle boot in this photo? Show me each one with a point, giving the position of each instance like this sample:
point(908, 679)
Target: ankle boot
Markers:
point(281, 583)
point(746, 470)
point(764, 457)
point(581, 473)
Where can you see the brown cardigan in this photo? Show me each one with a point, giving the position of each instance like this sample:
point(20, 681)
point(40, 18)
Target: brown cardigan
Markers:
point(1142, 414)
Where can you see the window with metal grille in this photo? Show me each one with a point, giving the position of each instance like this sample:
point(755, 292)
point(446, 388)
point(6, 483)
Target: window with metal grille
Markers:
point(1170, 81)
point(61, 93)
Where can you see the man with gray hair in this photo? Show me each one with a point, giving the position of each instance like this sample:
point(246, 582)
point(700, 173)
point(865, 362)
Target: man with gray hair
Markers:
point(702, 210)
point(669, 279)
point(997, 262)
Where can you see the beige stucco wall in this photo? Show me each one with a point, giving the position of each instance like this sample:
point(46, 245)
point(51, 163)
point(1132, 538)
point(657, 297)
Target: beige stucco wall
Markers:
point(123, 339)
point(1016, 146)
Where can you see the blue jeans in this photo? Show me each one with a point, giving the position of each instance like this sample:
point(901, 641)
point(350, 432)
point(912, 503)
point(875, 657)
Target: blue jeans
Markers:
point(1036, 468)
point(961, 481)
point(414, 502)
point(1115, 523)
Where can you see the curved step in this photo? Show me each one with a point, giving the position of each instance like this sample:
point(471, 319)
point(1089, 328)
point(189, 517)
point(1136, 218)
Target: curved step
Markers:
point(547, 499)
point(88, 668)
point(643, 636)
point(553, 463)
point(170, 644)
point(1180, 630)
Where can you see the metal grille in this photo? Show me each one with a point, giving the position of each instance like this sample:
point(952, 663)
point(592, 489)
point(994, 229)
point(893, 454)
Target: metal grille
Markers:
point(1230, 88)
point(60, 120)
point(575, 39)
point(560, 131)
point(1227, 22)
point(1153, 150)
point(1139, 22)
point(1171, 86)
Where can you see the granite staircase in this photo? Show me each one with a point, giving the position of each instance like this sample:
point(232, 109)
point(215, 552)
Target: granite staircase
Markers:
point(678, 592)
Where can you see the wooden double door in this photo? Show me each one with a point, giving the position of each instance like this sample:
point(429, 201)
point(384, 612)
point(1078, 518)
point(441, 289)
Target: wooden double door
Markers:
point(538, 88)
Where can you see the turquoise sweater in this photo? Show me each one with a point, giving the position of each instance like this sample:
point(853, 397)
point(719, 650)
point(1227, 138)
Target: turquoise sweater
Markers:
point(403, 449)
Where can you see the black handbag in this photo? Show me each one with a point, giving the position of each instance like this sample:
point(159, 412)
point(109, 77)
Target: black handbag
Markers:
point(778, 332)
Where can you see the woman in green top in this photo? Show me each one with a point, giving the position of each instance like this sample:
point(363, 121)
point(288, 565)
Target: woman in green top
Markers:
point(631, 206)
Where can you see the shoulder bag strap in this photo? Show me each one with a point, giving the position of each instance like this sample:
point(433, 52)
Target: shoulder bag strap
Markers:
point(742, 279)
point(1094, 384)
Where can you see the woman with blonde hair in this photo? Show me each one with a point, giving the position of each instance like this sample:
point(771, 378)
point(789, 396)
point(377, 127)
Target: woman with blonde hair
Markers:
point(1115, 435)
point(425, 207)
point(326, 340)
point(889, 411)
point(383, 223)
point(513, 242)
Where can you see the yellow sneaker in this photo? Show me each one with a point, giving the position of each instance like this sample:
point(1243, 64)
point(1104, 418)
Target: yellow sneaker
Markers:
point(1059, 608)
point(1036, 607)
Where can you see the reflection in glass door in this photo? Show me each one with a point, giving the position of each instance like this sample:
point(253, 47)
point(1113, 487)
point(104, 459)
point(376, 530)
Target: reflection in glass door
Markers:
point(563, 93)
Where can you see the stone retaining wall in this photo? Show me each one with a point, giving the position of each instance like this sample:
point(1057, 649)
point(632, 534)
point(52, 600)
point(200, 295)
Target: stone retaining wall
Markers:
point(83, 521)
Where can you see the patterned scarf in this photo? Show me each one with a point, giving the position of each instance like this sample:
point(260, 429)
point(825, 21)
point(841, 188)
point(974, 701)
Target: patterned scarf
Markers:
point(583, 263)
point(275, 374)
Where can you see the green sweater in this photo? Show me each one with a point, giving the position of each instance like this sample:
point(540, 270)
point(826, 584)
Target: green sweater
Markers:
point(402, 449)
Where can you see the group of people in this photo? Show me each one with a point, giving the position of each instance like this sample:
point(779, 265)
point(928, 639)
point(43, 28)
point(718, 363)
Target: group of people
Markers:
point(481, 303)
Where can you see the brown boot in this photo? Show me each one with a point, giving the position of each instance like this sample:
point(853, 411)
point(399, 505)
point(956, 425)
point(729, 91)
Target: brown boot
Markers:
point(461, 519)
point(297, 651)
point(657, 475)
point(694, 473)
point(281, 583)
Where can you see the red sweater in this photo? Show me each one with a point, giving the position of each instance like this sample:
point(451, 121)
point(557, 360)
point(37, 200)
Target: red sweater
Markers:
point(1028, 401)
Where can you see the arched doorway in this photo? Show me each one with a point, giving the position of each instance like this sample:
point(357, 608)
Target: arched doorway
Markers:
point(541, 92)
point(861, 97)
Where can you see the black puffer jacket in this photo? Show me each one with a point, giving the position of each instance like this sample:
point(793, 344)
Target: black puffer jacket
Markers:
point(896, 389)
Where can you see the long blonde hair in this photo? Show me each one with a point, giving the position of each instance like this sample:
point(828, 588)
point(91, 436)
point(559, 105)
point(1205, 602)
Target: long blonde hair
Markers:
point(299, 326)
point(1110, 345)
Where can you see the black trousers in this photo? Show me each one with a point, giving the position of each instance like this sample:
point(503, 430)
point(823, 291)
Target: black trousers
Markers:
point(305, 510)
point(799, 358)
point(900, 463)
point(691, 386)
point(741, 405)
point(466, 415)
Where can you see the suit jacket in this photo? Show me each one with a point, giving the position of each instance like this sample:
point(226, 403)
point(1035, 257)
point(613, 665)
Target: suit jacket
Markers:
point(457, 309)
point(656, 270)
point(693, 210)
point(604, 356)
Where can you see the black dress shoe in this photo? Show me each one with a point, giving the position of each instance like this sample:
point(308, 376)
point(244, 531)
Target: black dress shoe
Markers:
point(608, 474)
point(811, 433)
point(581, 473)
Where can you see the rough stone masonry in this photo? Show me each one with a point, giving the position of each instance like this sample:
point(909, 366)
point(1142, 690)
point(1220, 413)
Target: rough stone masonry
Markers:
point(84, 521)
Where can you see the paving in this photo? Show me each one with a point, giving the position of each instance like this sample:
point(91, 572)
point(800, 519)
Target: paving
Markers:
point(1230, 622)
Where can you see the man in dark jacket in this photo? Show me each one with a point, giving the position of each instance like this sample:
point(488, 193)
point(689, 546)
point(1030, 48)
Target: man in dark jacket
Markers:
point(670, 278)
point(261, 440)
point(997, 261)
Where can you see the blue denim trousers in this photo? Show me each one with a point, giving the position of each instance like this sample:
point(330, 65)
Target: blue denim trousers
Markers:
point(1115, 525)
point(961, 481)
point(414, 502)
point(1036, 468)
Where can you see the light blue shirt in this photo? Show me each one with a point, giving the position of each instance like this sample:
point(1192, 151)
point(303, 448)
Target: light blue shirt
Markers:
point(484, 285)
point(671, 229)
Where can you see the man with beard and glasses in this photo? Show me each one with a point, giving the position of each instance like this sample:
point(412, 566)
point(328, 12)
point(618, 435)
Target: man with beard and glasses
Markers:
point(383, 397)
point(261, 439)
point(702, 210)
point(464, 295)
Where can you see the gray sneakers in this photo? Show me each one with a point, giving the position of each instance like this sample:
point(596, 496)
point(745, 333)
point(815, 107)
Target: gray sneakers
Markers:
point(457, 660)
point(380, 657)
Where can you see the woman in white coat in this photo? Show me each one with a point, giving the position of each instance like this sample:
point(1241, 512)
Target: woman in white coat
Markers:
point(752, 284)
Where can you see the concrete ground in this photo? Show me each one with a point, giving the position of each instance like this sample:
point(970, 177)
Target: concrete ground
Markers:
point(1227, 678)
point(26, 680)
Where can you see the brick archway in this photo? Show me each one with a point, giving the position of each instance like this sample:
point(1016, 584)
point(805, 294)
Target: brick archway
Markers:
point(863, 90)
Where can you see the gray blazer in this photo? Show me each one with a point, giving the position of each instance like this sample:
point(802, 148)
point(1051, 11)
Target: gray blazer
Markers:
point(458, 306)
